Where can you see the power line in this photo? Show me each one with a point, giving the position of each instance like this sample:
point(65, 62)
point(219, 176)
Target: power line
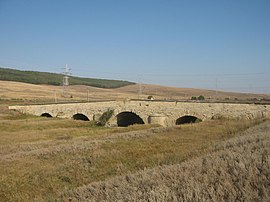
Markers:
point(193, 80)
point(180, 74)
point(174, 74)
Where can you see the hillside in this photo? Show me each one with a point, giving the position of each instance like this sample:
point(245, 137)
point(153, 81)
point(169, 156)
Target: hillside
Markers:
point(18, 91)
point(35, 77)
point(162, 92)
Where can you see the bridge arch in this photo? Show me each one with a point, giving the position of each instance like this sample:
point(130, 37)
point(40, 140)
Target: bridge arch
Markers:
point(126, 118)
point(80, 116)
point(48, 115)
point(187, 119)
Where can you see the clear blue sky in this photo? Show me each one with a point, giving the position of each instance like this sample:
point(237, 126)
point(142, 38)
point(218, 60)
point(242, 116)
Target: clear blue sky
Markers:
point(184, 43)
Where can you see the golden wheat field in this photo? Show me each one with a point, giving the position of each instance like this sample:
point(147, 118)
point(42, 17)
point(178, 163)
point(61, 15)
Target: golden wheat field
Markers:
point(45, 159)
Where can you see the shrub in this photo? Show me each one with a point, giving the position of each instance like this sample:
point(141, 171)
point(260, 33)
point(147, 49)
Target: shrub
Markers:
point(201, 97)
point(104, 118)
point(193, 98)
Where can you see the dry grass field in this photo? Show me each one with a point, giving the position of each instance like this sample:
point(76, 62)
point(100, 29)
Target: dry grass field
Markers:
point(234, 170)
point(45, 93)
point(43, 159)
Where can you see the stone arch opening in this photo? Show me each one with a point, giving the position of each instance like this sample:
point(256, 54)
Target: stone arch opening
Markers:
point(125, 119)
point(46, 115)
point(187, 119)
point(81, 117)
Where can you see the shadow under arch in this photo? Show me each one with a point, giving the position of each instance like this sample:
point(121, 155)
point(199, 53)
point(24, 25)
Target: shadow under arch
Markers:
point(46, 115)
point(187, 119)
point(125, 119)
point(80, 116)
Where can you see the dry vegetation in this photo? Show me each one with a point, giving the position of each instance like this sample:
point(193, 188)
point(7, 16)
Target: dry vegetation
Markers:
point(235, 170)
point(45, 159)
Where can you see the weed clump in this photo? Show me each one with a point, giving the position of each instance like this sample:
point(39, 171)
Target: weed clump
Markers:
point(105, 117)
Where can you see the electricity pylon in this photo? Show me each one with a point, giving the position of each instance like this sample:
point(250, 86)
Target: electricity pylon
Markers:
point(66, 76)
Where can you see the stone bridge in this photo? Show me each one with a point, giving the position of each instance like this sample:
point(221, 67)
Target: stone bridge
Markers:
point(131, 112)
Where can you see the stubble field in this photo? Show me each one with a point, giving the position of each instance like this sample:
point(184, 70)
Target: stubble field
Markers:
point(25, 93)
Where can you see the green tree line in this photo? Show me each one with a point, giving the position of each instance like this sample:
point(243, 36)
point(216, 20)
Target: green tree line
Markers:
point(35, 77)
